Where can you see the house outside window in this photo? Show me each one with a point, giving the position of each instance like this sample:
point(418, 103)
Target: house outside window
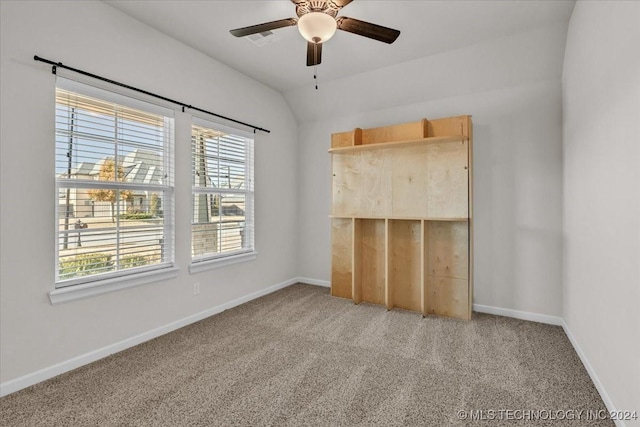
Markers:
point(223, 194)
point(114, 179)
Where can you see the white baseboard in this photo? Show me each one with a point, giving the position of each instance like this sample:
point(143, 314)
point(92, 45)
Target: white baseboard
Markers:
point(14, 385)
point(517, 314)
point(592, 373)
point(507, 312)
point(315, 282)
point(558, 321)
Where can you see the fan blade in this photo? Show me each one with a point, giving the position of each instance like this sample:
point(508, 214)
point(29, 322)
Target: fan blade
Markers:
point(314, 53)
point(373, 31)
point(260, 28)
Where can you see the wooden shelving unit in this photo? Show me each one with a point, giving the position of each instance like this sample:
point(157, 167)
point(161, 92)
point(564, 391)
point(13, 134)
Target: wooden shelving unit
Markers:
point(396, 144)
point(402, 218)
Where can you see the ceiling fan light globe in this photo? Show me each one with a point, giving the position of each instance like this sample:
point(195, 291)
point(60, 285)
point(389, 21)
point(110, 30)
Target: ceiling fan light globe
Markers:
point(317, 25)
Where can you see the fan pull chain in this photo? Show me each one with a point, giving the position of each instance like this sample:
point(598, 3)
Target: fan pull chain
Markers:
point(315, 75)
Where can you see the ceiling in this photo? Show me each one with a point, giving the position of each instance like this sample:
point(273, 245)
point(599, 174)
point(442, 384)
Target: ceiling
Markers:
point(427, 28)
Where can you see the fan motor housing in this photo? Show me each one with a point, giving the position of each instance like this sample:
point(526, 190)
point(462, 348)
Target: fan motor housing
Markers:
point(328, 7)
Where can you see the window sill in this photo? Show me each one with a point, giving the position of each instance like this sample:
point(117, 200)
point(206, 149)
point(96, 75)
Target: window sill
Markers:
point(210, 264)
point(88, 290)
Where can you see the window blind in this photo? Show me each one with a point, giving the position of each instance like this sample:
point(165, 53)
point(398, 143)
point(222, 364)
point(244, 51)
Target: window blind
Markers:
point(223, 193)
point(114, 179)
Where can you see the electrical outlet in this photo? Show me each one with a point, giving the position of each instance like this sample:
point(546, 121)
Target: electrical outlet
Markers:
point(196, 288)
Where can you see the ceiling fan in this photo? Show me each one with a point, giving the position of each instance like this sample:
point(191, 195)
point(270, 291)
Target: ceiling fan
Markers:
point(317, 22)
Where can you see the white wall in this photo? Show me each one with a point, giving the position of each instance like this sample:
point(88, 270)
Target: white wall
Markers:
point(94, 36)
point(512, 87)
point(601, 221)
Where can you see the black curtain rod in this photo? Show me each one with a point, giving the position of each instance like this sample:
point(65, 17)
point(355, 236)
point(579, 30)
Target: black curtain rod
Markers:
point(173, 101)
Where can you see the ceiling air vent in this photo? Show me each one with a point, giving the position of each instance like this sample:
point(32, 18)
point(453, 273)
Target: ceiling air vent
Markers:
point(263, 38)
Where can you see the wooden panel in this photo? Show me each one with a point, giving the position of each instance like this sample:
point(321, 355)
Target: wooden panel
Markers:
point(375, 187)
point(425, 268)
point(409, 181)
point(448, 180)
point(356, 257)
point(342, 139)
point(449, 126)
point(448, 297)
point(395, 183)
point(470, 214)
point(362, 184)
point(346, 184)
point(412, 130)
point(346, 139)
point(405, 278)
point(341, 248)
point(447, 268)
point(447, 249)
point(370, 261)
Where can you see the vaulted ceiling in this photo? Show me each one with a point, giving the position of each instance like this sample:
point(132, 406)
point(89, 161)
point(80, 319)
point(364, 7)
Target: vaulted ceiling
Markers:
point(427, 28)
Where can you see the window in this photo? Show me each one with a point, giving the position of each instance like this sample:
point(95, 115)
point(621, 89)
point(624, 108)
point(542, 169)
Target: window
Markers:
point(114, 179)
point(222, 179)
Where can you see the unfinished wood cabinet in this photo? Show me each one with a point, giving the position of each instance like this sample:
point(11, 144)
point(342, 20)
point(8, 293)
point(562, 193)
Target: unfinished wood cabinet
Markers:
point(402, 217)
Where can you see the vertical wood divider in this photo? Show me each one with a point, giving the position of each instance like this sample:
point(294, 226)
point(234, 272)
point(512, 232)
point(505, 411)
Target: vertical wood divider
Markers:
point(425, 128)
point(470, 211)
point(357, 136)
point(423, 268)
point(356, 265)
point(388, 291)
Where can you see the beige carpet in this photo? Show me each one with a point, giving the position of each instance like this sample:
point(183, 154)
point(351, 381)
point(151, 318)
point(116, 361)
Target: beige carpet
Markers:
point(300, 357)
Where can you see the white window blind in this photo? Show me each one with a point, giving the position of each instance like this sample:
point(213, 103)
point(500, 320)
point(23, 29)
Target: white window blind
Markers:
point(222, 172)
point(114, 182)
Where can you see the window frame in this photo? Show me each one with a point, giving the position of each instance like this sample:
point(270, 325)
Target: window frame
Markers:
point(217, 260)
point(82, 287)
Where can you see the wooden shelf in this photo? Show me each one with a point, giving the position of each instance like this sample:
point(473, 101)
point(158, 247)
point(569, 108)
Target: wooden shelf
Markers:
point(394, 144)
point(403, 218)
